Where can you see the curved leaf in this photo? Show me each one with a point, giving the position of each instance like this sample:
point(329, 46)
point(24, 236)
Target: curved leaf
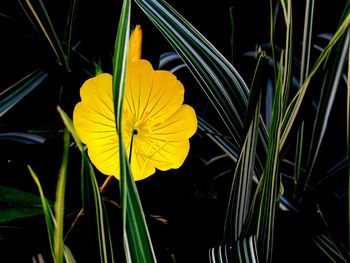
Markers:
point(16, 92)
point(137, 242)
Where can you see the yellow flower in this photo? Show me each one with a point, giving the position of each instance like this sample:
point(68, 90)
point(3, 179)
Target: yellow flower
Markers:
point(156, 124)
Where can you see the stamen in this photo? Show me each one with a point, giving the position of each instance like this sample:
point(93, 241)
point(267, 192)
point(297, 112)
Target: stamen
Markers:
point(134, 132)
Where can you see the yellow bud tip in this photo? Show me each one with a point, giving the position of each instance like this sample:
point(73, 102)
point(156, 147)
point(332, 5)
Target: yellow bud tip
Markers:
point(135, 45)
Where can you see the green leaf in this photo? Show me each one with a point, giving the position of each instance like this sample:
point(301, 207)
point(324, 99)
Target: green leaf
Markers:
point(55, 223)
point(219, 80)
point(49, 217)
point(17, 204)
point(269, 185)
point(239, 199)
point(38, 15)
point(328, 93)
point(294, 107)
point(304, 71)
point(334, 251)
point(90, 182)
point(288, 55)
point(59, 204)
point(73, 8)
point(16, 92)
point(137, 242)
point(348, 138)
point(219, 139)
point(22, 137)
point(243, 250)
point(217, 77)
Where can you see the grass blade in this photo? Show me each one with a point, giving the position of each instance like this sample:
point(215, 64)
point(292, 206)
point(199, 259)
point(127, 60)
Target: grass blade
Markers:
point(16, 92)
point(348, 138)
point(327, 99)
point(70, 25)
point(220, 140)
point(239, 199)
point(288, 59)
point(244, 250)
point(137, 243)
point(55, 223)
point(87, 171)
point(22, 137)
point(294, 107)
point(307, 37)
point(43, 20)
point(327, 245)
point(269, 184)
point(221, 254)
point(49, 217)
point(219, 80)
point(59, 204)
point(304, 71)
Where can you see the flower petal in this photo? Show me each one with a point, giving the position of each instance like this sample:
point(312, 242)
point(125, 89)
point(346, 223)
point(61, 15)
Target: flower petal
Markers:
point(104, 154)
point(181, 125)
point(93, 119)
point(141, 166)
point(151, 94)
point(97, 93)
point(166, 145)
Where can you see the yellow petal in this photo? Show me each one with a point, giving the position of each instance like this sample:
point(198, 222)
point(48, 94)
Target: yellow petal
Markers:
point(181, 125)
point(135, 44)
point(104, 154)
point(155, 95)
point(141, 166)
point(90, 124)
point(166, 145)
point(97, 93)
point(94, 121)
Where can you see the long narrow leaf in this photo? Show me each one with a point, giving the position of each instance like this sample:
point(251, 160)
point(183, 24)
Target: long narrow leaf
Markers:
point(54, 229)
point(70, 25)
point(49, 217)
point(348, 139)
point(304, 71)
point(270, 181)
point(22, 137)
point(42, 18)
point(137, 243)
point(294, 107)
point(221, 254)
point(324, 108)
point(17, 204)
point(16, 92)
point(331, 249)
point(244, 250)
point(288, 55)
point(59, 204)
point(219, 80)
point(88, 171)
point(220, 140)
point(239, 199)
